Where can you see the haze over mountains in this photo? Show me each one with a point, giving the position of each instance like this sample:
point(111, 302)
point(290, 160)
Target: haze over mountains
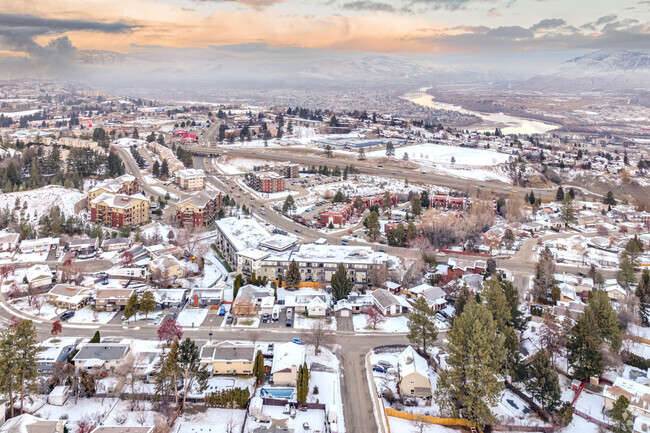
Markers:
point(598, 71)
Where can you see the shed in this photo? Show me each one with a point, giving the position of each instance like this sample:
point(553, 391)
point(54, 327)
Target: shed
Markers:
point(59, 395)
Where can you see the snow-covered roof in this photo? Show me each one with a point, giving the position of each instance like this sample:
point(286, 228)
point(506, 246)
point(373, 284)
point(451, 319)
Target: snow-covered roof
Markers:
point(37, 272)
point(254, 254)
point(310, 253)
point(242, 233)
point(278, 242)
point(27, 423)
point(410, 362)
point(286, 356)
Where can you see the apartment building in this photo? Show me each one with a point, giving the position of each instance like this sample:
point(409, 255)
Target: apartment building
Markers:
point(120, 210)
point(190, 179)
point(267, 181)
point(125, 184)
point(198, 210)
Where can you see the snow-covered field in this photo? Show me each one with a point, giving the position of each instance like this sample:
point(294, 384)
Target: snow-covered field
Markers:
point(439, 154)
point(302, 322)
point(48, 311)
point(392, 324)
point(191, 317)
point(86, 315)
point(35, 203)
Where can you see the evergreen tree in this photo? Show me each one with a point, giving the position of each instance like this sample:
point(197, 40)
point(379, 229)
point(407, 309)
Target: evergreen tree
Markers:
point(643, 293)
point(620, 413)
point(341, 284)
point(289, 204)
point(421, 325)
point(302, 387)
point(258, 367)
point(26, 349)
point(189, 362)
point(390, 149)
point(461, 301)
point(147, 303)
point(96, 338)
point(387, 203)
point(544, 276)
point(584, 347)
point(239, 281)
point(164, 170)
point(572, 194)
point(542, 381)
point(531, 198)
point(131, 307)
point(471, 385)
point(567, 210)
point(373, 226)
point(416, 205)
point(497, 303)
point(292, 275)
point(155, 170)
point(609, 199)
point(625, 275)
point(559, 195)
point(606, 318)
point(411, 231)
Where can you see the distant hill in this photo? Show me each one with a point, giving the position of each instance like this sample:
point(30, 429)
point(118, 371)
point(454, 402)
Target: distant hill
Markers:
point(601, 70)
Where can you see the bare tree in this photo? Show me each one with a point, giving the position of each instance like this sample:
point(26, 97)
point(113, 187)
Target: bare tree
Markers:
point(374, 317)
point(161, 425)
point(37, 303)
point(319, 333)
point(231, 424)
point(141, 416)
point(551, 337)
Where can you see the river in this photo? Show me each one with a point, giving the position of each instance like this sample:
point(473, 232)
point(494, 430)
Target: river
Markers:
point(491, 121)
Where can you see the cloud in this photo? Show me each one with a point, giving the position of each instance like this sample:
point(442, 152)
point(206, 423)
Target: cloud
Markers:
point(255, 4)
point(364, 5)
point(549, 24)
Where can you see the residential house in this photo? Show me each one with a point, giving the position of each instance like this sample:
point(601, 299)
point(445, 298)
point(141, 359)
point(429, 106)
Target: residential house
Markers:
point(301, 301)
point(69, 296)
point(9, 241)
point(84, 247)
point(112, 299)
point(40, 245)
point(207, 297)
point(228, 358)
point(52, 353)
point(123, 429)
point(115, 244)
point(636, 392)
point(95, 357)
point(287, 358)
point(249, 299)
point(317, 307)
point(413, 374)
point(39, 276)
point(386, 302)
point(170, 298)
point(435, 297)
point(168, 266)
point(27, 423)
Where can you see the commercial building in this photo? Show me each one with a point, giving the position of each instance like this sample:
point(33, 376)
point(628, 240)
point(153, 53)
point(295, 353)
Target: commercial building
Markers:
point(198, 210)
point(9, 241)
point(190, 179)
point(119, 210)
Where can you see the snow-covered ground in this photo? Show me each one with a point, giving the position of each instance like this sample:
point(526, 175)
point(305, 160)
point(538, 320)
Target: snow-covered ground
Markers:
point(392, 324)
point(86, 315)
point(439, 154)
point(48, 311)
point(211, 421)
point(33, 204)
point(192, 317)
point(302, 322)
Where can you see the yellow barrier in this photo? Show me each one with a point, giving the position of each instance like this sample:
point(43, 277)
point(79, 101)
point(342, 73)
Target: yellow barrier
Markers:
point(431, 419)
point(311, 284)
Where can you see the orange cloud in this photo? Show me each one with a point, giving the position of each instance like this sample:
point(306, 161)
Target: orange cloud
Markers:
point(170, 26)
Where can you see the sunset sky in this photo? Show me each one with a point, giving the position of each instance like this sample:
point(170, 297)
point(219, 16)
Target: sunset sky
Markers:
point(46, 31)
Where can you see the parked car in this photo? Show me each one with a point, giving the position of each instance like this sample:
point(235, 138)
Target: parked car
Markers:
point(385, 364)
point(222, 310)
point(378, 368)
point(297, 340)
point(265, 318)
point(68, 314)
point(229, 320)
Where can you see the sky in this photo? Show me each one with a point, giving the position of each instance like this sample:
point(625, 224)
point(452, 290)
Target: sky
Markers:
point(47, 37)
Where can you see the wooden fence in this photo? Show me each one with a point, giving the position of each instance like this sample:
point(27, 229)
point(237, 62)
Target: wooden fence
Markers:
point(432, 419)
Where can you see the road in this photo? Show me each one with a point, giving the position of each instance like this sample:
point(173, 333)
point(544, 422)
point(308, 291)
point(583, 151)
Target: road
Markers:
point(349, 347)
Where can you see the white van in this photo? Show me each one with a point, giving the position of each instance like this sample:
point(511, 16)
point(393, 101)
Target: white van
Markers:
point(275, 315)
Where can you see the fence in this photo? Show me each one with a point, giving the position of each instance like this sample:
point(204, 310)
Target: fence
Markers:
point(591, 419)
point(280, 402)
point(534, 406)
point(431, 419)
